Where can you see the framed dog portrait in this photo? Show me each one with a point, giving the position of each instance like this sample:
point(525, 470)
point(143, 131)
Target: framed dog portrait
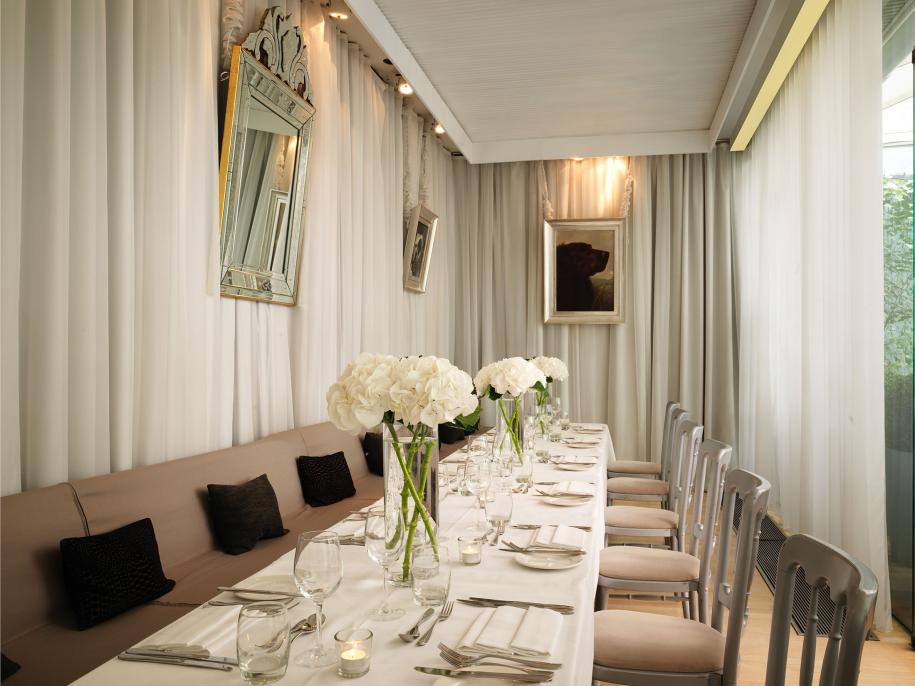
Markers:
point(418, 248)
point(584, 271)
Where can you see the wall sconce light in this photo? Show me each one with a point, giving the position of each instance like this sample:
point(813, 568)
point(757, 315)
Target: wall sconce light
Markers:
point(404, 88)
point(338, 15)
point(439, 129)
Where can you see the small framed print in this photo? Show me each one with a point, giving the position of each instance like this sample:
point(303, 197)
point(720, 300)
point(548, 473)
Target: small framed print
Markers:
point(417, 252)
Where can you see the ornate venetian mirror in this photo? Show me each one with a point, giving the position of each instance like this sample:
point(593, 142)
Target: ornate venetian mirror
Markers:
point(264, 163)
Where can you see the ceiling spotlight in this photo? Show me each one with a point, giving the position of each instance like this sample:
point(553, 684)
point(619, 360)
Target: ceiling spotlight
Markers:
point(338, 15)
point(577, 159)
point(404, 87)
point(439, 129)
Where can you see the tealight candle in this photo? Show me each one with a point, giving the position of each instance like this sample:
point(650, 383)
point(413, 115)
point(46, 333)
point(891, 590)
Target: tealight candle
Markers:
point(354, 652)
point(471, 550)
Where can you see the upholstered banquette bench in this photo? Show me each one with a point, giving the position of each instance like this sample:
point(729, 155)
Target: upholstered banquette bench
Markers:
point(37, 629)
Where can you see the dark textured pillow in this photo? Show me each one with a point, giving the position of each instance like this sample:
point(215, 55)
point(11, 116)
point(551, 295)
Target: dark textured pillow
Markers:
point(110, 573)
point(373, 449)
point(325, 480)
point(244, 514)
point(7, 667)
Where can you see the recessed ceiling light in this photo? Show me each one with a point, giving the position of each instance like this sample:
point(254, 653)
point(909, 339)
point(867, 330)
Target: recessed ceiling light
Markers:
point(438, 128)
point(577, 159)
point(405, 88)
point(338, 15)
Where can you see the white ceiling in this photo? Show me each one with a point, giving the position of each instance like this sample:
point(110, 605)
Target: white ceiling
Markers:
point(530, 79)
point(521, 69)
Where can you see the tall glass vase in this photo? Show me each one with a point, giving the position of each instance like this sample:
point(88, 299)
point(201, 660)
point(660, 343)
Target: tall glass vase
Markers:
point(541, 403)
point(509, 438)
point(411, 485)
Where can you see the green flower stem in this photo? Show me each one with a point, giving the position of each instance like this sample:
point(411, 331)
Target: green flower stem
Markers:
point(543, 397)
point(512, 425)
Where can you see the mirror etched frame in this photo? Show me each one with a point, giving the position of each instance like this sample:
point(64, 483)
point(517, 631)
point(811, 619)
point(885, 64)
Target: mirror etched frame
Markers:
point(268, 81)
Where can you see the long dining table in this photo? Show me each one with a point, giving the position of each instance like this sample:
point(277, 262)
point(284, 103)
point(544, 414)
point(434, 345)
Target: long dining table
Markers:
point(498, 576)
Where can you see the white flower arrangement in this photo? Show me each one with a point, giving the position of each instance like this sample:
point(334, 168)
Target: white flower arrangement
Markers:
point(552, 367)
point(511, 376)
point(418, 392)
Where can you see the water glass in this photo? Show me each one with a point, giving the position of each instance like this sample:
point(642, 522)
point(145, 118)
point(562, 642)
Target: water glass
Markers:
point(543, 455)
point(431, 574)
point(384, 542)
point(555, 430)
point(566, 422)
point(317, 570)
point(263, 642)
point(523, 471)
point(499, 505)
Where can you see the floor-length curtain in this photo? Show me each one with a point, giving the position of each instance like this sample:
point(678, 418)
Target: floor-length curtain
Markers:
point(810, 296)
point(667, 349)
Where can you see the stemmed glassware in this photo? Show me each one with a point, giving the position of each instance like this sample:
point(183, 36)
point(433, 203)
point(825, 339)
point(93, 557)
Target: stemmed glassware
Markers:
point(384, 542)
point(499, 504)
point(476, 482)
point(318, 571)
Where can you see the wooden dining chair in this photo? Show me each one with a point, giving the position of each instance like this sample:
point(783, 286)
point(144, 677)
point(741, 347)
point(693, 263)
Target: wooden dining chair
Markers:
point(645, 468)
point(629, 520)
point(852, 587)
point(645, 649)
point(683, 573)
point(657, 490)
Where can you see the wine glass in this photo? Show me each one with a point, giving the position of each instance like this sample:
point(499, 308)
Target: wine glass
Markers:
point(318, 571)
point(476, 482)
point(384, 542)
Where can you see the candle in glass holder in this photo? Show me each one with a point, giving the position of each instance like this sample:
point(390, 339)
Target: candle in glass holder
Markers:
point(471, 549)
point(354, 652)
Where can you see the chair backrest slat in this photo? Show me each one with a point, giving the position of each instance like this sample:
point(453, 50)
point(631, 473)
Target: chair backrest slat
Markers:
point(689, 436)
point(853, 588)
point(809, 651)
point(732, 590)
point(714, 460)
point(666, 439)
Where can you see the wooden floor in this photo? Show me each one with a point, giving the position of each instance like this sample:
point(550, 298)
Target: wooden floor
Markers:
point(887, 662)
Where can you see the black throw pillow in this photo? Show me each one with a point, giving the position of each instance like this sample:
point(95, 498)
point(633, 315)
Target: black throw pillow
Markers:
point(110, 573)
point(325, 480)
point(374, 455)
point(7, 667)
point(244, 514)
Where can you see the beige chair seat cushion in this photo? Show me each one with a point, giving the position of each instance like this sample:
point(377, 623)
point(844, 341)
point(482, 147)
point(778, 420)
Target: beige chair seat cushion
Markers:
point(660, 643)
point(631, 517)
point(648, 564)
point(634, 467)
point(632, 486)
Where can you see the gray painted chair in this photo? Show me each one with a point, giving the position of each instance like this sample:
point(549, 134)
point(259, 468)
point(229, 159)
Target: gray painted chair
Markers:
point(853, 588)
point(683, 573)
point(639, 488)
point(643, 468)
point(645, 649)
point(627, 520)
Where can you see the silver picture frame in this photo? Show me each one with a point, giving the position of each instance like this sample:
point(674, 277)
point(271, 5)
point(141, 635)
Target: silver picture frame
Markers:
point(584, 271)
point(417, 251)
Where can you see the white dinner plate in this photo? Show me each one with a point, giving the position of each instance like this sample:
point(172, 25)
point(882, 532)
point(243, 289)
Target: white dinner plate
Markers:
point(575, 467)
point(547, 561)
point(274, 582)
point(566, 501)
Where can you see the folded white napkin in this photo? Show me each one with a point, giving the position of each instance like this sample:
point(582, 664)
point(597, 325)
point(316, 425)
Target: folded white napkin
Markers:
point(351, 528)
point(514, 630)
point(559, 537)
point(572, 488)
point(578, 459)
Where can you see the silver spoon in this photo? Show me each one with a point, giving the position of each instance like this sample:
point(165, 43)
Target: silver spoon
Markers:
point(412, 633)
point(306, 626)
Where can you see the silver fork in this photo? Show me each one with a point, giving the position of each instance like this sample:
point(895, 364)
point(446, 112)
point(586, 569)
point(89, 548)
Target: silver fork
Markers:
point(463, 660)
point(443, 615)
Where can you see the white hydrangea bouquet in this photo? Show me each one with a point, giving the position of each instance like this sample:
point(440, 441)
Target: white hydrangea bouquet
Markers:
point(505, 382)
point(417, 392)
point(553, 369)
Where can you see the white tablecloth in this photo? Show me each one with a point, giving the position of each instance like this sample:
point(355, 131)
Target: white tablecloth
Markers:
point(498, 576)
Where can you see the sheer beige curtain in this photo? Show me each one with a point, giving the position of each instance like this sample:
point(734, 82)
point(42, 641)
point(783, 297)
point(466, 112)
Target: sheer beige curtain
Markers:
point(810, 296)
point(668, 347)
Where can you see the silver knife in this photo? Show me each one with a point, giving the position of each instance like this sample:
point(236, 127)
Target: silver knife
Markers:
point(177, 661)
point(144, 652)
point(490, 603)
point(506, 676)
point(523, 602)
